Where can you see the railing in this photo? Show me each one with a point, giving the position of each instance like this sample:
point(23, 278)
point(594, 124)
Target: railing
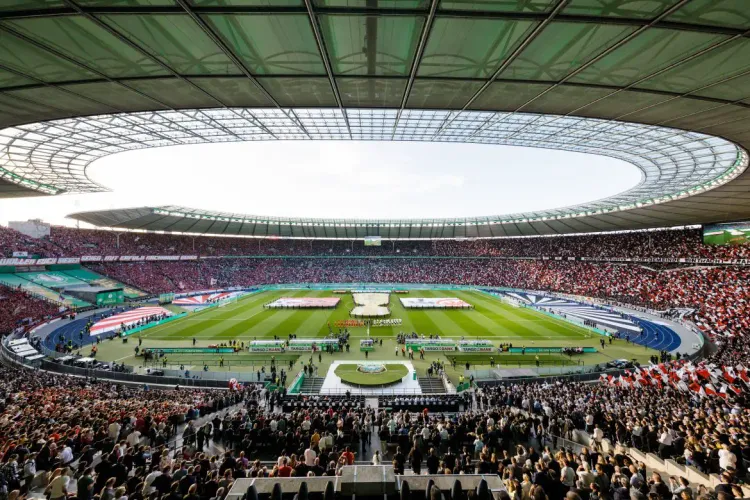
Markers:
point(132, 377)
point(381, 391)
point(10, 357)
point(560, 442)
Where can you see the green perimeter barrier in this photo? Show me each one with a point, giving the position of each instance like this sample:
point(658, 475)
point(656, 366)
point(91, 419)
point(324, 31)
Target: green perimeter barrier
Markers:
point(63, 267)
point(547, 350)
point(463, 386)
point(297, 385)
point(191, 350)
point(151, 325)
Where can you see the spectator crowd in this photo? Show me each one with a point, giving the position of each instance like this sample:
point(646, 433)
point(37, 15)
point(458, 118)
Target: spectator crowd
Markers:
point(71, 242)
point(112, 442)
point(19, 310)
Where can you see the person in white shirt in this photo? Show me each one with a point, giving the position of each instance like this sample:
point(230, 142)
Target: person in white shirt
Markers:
point(585, 475)
point(567, 475)
point(149, 480)
point(727, 459)
point(598, 435)
point(376, 458)
point(589, 422)
point(58, 487)
point(425, 433)
point(114, 430)
point(66, 455)
point(665, 443)
point(134, 438)
point(310, 457)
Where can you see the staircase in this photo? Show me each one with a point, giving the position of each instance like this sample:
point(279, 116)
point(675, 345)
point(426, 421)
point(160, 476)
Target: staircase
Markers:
point(431, 385)
point(312, 385)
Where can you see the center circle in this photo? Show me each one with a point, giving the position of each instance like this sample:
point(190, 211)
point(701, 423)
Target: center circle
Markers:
point(371, 368)
point(371, 374)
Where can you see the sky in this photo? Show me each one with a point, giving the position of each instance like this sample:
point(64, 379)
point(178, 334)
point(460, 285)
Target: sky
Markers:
point(340, 179)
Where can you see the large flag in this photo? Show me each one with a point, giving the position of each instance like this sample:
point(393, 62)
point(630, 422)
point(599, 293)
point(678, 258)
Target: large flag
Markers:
point(742, 373)
point(729, 374)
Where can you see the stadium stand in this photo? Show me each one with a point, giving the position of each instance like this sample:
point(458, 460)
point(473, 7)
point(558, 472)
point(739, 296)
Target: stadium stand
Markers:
point(19, 309)
point(694, 414)
point(71, 242)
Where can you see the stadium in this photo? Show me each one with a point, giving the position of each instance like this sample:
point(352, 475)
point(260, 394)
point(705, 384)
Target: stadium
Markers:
point(590, 351)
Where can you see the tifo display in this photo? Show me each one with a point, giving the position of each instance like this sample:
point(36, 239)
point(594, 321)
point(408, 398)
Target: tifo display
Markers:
point(136, 317)
point(434, 303)
point(198, 300)
point(369, 305)
point(304, 303)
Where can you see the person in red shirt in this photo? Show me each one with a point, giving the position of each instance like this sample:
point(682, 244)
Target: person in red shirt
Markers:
point(285, 470)
point(348, 456)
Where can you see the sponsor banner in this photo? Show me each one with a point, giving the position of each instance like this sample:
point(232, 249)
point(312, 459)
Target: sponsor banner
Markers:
point(304, 302)
point(162, 257)
point(267, 346)
point(475, 348)
point(434, 303)
point(309, 344)
point(69, 260)
point(91, 258)
point(443, 348)
point(109, 298)
point(431, 344)
point(132, 258)
point(21, 255)
point(45, 262)
point(114, 323)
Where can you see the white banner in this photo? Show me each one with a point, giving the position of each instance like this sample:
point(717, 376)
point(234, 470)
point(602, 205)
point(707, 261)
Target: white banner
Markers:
point(21, 255)
point(188, 257)
point(434, 303)
point(302, 302)
point(91, 258)
point(163, 257)
point(132, 258)
point(68, 260)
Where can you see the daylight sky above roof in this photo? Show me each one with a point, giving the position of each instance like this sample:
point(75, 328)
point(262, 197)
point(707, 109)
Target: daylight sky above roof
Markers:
point(341, 179)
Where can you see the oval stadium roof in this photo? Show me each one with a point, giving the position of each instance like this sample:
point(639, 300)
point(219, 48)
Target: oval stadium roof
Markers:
point(151, 73)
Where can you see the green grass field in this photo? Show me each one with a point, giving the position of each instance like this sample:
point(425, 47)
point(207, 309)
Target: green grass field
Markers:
point(247, 320)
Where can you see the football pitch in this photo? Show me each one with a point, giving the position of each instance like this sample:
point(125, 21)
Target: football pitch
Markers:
point(246, 320)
